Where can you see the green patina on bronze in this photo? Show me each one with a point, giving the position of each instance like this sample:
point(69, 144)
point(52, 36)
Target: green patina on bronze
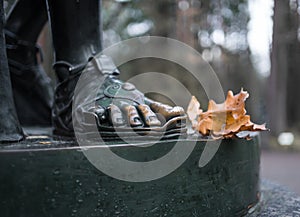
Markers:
point(57, 180)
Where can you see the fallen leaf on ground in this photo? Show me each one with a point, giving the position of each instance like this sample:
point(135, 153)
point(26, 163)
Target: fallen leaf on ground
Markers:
point(223, 120)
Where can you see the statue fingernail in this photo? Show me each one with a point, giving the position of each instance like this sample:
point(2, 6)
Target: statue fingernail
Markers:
point(133, 116)
point(115, 114)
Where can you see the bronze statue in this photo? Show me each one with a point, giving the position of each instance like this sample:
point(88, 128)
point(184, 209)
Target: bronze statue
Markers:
point(77, 38)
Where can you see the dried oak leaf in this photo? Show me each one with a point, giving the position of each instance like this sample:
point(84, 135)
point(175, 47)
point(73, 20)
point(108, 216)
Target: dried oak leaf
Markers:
point(223, 120)
point(193, 111)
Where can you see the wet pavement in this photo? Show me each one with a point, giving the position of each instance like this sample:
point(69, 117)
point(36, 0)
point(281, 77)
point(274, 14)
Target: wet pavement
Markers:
point(282, 167)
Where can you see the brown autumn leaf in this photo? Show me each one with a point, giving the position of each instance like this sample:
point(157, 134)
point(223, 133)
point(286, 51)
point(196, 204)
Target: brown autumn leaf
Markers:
point(223, 120)
point(193, 111)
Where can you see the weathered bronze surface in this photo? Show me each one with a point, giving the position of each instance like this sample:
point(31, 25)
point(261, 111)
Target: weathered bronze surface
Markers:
point(74, 53)
point(123, 112)
point(32, 90)
point(167, 111)
point(53, 178)
point(149, 116)
point(10, 129)
point(133, 117)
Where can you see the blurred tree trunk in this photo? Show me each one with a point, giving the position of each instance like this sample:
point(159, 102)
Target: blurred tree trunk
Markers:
point(279, 68)
point(184, 22)
point(284, 106)
point(293, 77)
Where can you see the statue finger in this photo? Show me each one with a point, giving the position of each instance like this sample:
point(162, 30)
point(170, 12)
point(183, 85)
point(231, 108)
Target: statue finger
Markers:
point(148, 115)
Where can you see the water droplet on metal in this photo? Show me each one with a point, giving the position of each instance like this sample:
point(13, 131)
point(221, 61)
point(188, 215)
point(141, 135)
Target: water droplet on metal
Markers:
point(56, 172)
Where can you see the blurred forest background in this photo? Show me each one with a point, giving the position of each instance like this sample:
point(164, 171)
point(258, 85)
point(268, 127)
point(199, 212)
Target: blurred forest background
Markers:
point(254, 44)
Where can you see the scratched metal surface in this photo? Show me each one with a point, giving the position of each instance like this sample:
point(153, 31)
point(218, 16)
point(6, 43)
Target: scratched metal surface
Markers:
point(46, 177)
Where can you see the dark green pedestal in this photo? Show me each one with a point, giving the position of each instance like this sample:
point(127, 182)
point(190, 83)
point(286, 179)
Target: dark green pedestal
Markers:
point(39, 180)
